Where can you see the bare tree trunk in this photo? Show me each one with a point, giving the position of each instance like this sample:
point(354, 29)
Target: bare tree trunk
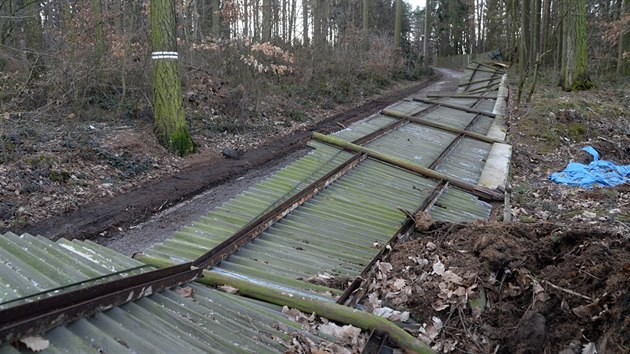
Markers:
point(256, 19)
point(284, 20)
point(545, 23)
point(425, 42)
point(525, 36)
point(305, 26)
point(245, 18)
point(535, 25)
point(623, 67)
point(216, 26)
point(366, 15)
point(292, 20)
point(266, 21)
point(398, 24)
point(318, 29)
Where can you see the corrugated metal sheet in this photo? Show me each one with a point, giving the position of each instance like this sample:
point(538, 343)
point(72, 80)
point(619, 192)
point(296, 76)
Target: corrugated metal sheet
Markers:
point(466, 160)
point(477, 71)
point(332, 233)
point(413, 142)
point(365, 127)
point(169, 322)
point(32, 265)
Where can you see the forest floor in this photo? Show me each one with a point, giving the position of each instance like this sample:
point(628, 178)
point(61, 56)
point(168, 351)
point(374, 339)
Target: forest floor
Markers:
point(554, 280)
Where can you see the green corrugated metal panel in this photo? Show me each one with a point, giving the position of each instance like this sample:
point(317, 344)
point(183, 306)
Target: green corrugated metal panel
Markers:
point(208, 322)
point(168, 322)
point(466, 160)
point(413, 142)
point(334, 232)
point(407, 107)
point(422, 145)
point(468, 102)
point(364, 127)
point(460, 206)
point(31, 265)
point(486, 105)
point(450, 116)
point(331, 233)
point(222, 222)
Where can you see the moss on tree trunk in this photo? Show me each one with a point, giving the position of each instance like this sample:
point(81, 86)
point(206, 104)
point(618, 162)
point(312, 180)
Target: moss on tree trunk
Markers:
point(168, 110)
point(574, 75)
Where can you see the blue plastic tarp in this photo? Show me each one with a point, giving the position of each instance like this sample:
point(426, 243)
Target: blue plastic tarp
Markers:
point(597, 173)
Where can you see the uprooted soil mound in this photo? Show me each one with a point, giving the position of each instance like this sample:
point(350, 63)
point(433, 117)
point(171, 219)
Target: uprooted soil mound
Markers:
point(513, 288)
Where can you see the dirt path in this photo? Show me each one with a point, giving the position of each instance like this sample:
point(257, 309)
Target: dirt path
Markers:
point(106, 219)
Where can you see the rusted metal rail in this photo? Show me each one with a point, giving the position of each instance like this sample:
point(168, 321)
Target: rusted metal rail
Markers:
point(35, 317)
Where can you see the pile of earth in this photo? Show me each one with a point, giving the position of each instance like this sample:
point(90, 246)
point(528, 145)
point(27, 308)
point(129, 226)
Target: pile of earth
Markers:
point(510, 288)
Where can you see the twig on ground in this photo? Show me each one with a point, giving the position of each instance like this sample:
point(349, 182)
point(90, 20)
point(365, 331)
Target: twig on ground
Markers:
point(568, 291)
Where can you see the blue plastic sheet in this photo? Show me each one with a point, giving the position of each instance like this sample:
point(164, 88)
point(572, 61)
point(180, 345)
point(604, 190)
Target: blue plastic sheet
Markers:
point(597, 173)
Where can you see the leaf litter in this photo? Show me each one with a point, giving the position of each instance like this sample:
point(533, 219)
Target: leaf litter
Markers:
point(344, 339)
point(509, 288)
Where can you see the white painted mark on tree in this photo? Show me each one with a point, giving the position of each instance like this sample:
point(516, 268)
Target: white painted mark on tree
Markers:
point(164, 55)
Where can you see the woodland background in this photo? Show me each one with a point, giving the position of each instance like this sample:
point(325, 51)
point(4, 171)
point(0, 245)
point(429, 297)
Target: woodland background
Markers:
point(71, 59)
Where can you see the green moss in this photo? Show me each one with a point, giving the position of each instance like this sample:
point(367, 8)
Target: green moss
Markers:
point(298, 116)
point(577, 131)
point(181, 142)
point(59, 176)
point(526, 219)
point(582, 84)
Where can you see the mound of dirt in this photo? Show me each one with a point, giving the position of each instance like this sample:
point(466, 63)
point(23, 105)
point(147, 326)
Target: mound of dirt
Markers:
point(512, 288)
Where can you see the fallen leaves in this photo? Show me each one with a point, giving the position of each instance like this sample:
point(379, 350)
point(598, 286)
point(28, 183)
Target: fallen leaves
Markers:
point(228, 289)
point(186, 291)
point(348, 339)
point(35, 343)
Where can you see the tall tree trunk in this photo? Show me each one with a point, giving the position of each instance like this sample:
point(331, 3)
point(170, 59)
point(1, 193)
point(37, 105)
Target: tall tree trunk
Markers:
point(525, 36)
point(292, 20)
point(319, 38)
point(284, 19)
point(623, 47)
point(305, 36)
point(366, 15)
point(275, 22)
point(256, 19)
point(266, 21)
point(216, 25)
point(398, 23)
point(168, 111)
point(425, 41)
point(245, 18)
point(535, 25)
point(574, 75)
point(545, 25)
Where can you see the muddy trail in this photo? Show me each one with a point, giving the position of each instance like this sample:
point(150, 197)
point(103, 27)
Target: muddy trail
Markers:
point(511, 288)
point(114, 215)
